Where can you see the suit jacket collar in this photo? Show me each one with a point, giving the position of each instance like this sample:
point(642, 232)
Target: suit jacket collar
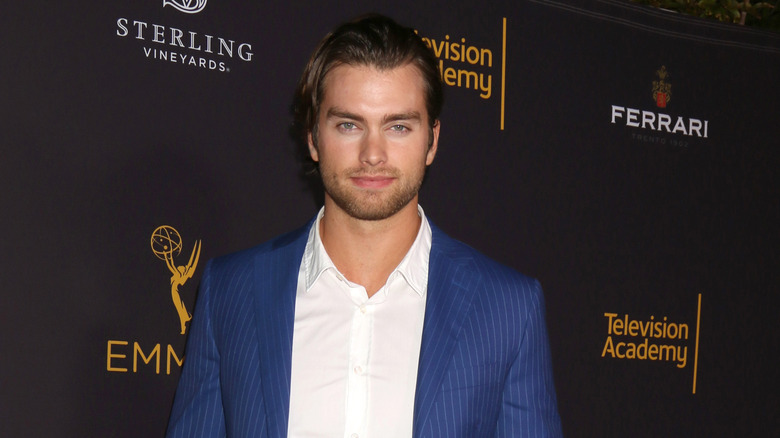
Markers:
point(275, 282)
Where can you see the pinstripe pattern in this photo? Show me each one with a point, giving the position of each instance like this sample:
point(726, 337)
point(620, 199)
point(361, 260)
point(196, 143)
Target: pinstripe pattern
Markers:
point(484, 363)
point(485, 366)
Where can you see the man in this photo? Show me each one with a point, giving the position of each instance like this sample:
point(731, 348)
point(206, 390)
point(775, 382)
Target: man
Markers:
point(369, 321)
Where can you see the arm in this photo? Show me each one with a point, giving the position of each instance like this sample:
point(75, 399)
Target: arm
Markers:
point(197, 409)
point(529, 407)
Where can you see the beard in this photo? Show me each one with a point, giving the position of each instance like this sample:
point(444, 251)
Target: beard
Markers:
point(367, 204)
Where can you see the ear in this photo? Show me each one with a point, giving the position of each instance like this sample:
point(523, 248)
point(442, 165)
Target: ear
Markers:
point(434, 144)
point(312, 149)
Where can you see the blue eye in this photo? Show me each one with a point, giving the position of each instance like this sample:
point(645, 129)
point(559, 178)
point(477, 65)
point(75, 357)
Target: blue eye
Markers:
point(347, 126)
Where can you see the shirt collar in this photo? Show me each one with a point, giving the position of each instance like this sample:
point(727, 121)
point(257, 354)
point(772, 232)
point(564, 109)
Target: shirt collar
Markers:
point(413, 268)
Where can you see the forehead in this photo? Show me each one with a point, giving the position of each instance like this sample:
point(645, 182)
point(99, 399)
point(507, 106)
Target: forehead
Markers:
point(369, 86)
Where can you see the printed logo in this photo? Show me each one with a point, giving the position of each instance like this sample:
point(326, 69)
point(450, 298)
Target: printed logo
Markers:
point(176, 45)
point(662, 91)
point(186, 6)
point(660, 340)
point(472, 66)
point(649, 126)
point(166, 245)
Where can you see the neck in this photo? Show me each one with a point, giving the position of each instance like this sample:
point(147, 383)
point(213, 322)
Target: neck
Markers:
point(367, 252)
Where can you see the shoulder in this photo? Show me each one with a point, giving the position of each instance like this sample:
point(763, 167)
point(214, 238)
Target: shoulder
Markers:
point(281, 247)
point(482, 271)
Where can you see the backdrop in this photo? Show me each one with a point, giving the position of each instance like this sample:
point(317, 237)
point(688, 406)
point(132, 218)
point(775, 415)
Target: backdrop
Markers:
point(627, 157)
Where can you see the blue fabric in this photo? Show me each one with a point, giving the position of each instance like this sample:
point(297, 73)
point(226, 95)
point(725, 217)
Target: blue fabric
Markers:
point(484, 368)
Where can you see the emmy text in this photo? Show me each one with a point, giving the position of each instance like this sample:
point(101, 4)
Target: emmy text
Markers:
point(120, 357)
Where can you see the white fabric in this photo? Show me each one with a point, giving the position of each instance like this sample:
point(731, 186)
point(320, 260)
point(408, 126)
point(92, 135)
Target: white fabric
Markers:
point(354, 360)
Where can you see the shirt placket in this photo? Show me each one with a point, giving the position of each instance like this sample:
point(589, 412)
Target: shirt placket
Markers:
point(357, 372)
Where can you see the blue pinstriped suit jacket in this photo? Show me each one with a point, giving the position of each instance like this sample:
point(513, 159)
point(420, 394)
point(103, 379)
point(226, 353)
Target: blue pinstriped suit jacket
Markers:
point(484, 363)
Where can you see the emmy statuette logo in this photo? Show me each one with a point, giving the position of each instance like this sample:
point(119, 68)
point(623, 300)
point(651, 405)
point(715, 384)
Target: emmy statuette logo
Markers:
point(166, 245)
point(662, 91)
point(186, 6)
point(128, 356)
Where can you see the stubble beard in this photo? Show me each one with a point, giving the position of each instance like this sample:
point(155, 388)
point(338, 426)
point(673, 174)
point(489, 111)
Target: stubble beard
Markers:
point(367, 204)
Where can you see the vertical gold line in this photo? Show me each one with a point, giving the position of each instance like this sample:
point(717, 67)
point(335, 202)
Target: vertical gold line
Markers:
point(696, 353)
point(503, 73)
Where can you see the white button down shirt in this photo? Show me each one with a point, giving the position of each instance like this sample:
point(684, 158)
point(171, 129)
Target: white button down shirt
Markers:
point(354, 359)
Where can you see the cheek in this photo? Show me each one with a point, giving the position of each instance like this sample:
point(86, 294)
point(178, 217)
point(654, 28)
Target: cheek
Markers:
point(414, 164)
point(332, 158)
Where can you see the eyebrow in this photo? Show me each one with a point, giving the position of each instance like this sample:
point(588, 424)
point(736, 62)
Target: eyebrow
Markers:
point(339, 113)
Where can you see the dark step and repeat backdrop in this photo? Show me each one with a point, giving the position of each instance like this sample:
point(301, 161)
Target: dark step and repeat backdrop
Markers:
point(627, 157)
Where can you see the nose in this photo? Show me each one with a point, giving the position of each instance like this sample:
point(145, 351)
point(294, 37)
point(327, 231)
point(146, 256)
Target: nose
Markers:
point(373, 150)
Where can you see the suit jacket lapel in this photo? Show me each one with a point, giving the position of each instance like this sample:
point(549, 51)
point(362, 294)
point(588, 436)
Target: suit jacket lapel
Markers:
point(450, 292)
point(276, 279)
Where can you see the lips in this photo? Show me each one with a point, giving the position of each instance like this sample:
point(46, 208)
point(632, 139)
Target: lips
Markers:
point(372, 182)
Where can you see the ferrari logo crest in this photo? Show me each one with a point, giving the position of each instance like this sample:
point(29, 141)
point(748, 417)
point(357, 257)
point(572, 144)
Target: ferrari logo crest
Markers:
point(662, 90)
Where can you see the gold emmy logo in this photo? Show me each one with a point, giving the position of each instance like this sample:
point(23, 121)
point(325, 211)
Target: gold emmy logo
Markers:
point(167, 244)
point(662, 91)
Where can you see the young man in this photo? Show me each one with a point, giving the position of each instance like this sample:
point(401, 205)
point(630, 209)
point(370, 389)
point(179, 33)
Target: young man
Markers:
point(368, 322)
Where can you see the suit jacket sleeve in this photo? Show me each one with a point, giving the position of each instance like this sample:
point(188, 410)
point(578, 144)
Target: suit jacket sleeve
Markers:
point(197, 409)
point(529, 407)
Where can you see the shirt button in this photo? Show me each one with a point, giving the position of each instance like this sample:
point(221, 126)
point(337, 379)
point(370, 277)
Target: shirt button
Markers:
point(354, 435)
point(358, 369)
point(363, 309)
